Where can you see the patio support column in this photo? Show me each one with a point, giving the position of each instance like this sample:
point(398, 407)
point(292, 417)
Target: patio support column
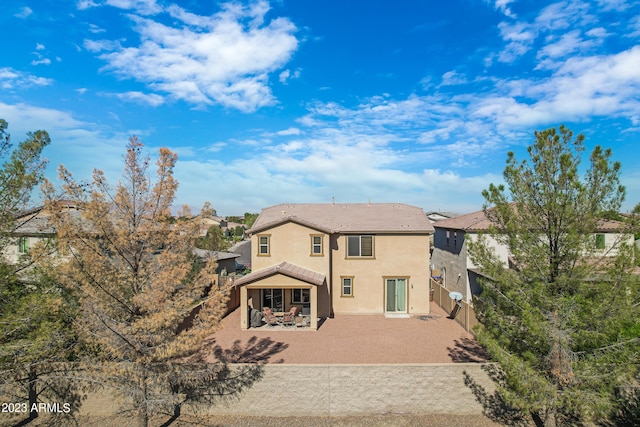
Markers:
point(314, 308)
point(244, 321)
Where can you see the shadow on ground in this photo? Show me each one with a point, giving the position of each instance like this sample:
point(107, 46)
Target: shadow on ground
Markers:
point(494, 406)
point(467, 350)
point(254, 351)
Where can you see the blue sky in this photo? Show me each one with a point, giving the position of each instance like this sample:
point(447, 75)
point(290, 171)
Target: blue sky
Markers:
point(301, 101)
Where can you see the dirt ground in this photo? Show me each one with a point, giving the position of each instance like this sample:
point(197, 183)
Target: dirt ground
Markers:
point(387, 420)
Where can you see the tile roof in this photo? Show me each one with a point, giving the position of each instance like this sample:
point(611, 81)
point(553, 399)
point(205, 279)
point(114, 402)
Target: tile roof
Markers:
point(285, 269)
point(35, 221)
point(475, 221)
point(478, 221)
point(347, 217)
point(217, 255)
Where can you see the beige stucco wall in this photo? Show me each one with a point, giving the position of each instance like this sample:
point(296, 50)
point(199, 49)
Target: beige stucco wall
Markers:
point(396, 256)
point(290, 242)
point(399, 256)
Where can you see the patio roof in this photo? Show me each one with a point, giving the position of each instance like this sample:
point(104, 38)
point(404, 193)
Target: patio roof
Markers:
point(285, 269)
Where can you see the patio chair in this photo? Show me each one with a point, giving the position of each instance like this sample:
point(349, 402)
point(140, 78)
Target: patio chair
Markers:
point(289, 318)
point(269, 318)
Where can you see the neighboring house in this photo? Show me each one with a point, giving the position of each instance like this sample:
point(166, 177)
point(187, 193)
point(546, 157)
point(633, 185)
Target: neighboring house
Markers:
point(207, 222)
point(226, 261)
point(338, 259)
point(230, 228)
point(31, 227)
point(453, 268)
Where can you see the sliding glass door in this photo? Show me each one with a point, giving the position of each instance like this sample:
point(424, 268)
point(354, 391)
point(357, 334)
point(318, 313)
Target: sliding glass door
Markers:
point(396, 295)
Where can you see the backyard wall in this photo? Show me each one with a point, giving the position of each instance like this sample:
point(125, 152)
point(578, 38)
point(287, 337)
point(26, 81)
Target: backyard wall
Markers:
point(347, 390)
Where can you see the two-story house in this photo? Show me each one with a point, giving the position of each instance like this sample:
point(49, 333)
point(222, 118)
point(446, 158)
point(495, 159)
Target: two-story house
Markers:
point(452, 266)
point(339, 259)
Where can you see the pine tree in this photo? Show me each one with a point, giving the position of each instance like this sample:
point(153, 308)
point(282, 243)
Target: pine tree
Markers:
point(146, 302)
point(35, 312)
point(563, 321)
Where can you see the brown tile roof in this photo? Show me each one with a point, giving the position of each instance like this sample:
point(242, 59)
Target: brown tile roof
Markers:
point(347, 217)
point(286, 269)
point(475, 221)
point(478, 221)
point(217, 255)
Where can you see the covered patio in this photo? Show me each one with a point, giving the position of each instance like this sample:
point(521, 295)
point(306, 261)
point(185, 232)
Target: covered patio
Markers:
point(280, 288)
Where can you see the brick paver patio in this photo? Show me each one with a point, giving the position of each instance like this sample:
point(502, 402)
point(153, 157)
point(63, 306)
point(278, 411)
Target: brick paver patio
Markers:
point(350, 339)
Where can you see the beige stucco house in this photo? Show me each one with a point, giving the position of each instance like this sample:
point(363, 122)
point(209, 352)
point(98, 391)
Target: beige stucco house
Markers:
point(452, 266)
point(328, 259)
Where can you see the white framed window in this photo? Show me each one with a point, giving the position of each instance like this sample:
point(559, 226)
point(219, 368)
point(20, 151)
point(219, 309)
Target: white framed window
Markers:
point(346, 286)
point(264, 244)
point(300, 296)
point(316, 245)
point(360, 246)
point(600, 241)
point(23, 245)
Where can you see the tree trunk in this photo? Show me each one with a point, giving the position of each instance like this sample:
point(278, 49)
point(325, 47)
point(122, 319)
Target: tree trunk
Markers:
point(33, 391)
point(143, 419)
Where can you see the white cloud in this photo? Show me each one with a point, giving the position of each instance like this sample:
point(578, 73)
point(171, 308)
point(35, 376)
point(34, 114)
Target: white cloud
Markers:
point(290, 131)
point(502, 5)
point(581, 89)
point(24, 13)
point(93, 28)
point(13, 79)
point(618, 5)
point(287, 75)
point(42, 61)
point(151, 99)
point(553, 22)
point(85, 4)
point(145, 7)
point(520, 37)
point(451, 78)
point(221, 59)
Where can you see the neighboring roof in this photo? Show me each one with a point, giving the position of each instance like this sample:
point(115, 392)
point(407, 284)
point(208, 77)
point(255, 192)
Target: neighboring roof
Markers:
point(285, 269)
point(439, 216)
point(478, 221)
point(35, 222)
point(347, 218)
point(243, 249)
point(475, 221)
point(218, 256)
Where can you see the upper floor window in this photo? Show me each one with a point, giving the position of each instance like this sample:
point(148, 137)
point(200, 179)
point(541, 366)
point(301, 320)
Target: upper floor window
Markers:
point(448, 236)
point(455, 239)
point(360, 246)
point(600, 241)
point(23, 245)
point(316, 245)
point(264, 247)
